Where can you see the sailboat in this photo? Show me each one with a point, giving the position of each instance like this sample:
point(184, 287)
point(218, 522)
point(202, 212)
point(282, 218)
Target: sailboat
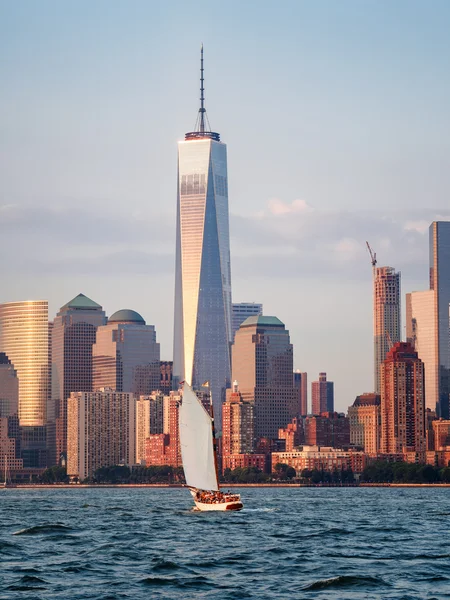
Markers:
point(199, 458)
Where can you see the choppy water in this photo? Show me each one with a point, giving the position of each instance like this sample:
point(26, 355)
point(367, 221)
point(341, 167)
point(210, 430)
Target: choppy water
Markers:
point(287, 543)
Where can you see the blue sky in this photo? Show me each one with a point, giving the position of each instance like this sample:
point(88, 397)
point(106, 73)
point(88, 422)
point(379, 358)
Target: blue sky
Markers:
point(337, 124)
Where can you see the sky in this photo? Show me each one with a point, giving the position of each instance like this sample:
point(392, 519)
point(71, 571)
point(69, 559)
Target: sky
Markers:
point(336, 119)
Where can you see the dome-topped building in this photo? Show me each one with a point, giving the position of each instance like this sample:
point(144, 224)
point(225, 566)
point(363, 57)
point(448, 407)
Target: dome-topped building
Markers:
point(126, 315)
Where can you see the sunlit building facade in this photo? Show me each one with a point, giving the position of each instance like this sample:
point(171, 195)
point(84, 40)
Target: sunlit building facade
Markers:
point(386, 316)
point(126, 355)
point(73, 335)
point(25, 341)
point(440, 283)
point(202, 329)
point(422, 333)
point(101, 429)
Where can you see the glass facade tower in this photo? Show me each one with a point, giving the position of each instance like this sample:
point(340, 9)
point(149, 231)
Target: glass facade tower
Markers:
point(440, 283)
point(24, 339)
point(203, 333)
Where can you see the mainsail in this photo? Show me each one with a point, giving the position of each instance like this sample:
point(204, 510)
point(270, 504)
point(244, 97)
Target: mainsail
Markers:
point(196, 439)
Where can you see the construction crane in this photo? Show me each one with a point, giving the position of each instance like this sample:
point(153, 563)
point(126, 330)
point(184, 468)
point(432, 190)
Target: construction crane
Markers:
point(389, 340)
point(373, 255)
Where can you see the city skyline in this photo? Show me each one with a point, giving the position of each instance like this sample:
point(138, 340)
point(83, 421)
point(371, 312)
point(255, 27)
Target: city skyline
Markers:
point(329, 182)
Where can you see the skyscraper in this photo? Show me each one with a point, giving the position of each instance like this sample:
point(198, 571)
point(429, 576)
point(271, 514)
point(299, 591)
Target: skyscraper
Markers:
point(422, 333)
point(238, 424)
point(9, 388)
point(24, 340)
point(440, 283)
point(101, 429)
point(402, 401)
point(126, 355)
point(202, 329)
point(73, 335)
point(301, 385)
point(322, 395)
point(263, 365)
point(386, 315)
point(242, 311)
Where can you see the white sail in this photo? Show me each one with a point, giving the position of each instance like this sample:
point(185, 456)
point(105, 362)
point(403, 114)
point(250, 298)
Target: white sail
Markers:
point(196, 441)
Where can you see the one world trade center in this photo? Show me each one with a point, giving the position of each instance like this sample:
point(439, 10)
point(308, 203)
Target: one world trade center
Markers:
point(202, 328)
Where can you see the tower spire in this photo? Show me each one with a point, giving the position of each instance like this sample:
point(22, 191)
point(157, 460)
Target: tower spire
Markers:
point(202, 95)
point(202, 126)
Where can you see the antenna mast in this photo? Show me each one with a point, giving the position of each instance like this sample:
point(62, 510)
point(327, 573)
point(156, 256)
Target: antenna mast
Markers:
point(202, 95)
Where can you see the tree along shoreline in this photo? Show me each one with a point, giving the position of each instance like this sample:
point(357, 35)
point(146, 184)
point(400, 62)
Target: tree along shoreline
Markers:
point(380, 473)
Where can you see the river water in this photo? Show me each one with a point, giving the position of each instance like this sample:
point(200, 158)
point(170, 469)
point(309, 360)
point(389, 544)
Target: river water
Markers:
point(78, 544)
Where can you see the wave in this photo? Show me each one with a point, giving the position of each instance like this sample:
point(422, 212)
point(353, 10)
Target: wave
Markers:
point(46, 528)
point(344, 581)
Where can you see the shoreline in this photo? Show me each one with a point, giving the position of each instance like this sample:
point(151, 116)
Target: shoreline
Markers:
point(63, 486)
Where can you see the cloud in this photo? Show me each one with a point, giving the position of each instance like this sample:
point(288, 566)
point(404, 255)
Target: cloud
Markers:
point(301, 240)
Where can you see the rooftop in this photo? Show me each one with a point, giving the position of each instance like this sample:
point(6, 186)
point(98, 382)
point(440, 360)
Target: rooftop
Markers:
point(125, 315)
point(262, 321)
point(81, 302)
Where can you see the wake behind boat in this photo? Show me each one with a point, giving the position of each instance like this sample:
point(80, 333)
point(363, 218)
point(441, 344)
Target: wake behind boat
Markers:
point(199, 456)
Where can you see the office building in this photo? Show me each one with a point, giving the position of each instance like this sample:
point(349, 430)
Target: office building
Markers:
point(242, 311)
point(238, 424)
point(9, 388)
point(422, 333)
point(262, 359)
point(365, 422)
point(24, 340)
point(301, 385)
point(149, 421)
point(386, 315)
point(323, 459)
point(73, 335)
point(440, 283)
point(166, 382)
point(126, 355)
point(292, 434)
point(322, 395)
point(402, 402)
point(202, 327)
point(164, 448)
point(101, 428)
point(328, 429)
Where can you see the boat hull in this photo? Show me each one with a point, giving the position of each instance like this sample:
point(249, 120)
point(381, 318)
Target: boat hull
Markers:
point(230, 505)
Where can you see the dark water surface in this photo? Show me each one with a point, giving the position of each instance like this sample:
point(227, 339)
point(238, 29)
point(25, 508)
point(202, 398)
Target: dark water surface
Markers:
point(287, 543)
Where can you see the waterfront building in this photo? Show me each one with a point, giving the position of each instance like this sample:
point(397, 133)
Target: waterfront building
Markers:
point(202, 327)
point(301, 385)
point(73, 335)
point(242, 311)
point(422, 333)
point(238, 424)
point(126, 355)
point(292, 434)
point(440, 282)
point(149, 421)
point(262, 359)
point(8, 450)
point(9, 388)
point(441, 434)
point(24, 340)
point(101, 428)
point(322, 395)
point(244, 461)
point(402, 401)
point(321, 458)
point(164, 448)
point(386, 315)
point(365, 422)
point(328, 429)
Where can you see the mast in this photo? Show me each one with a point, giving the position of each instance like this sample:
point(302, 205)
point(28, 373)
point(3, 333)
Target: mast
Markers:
point(214, 435)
